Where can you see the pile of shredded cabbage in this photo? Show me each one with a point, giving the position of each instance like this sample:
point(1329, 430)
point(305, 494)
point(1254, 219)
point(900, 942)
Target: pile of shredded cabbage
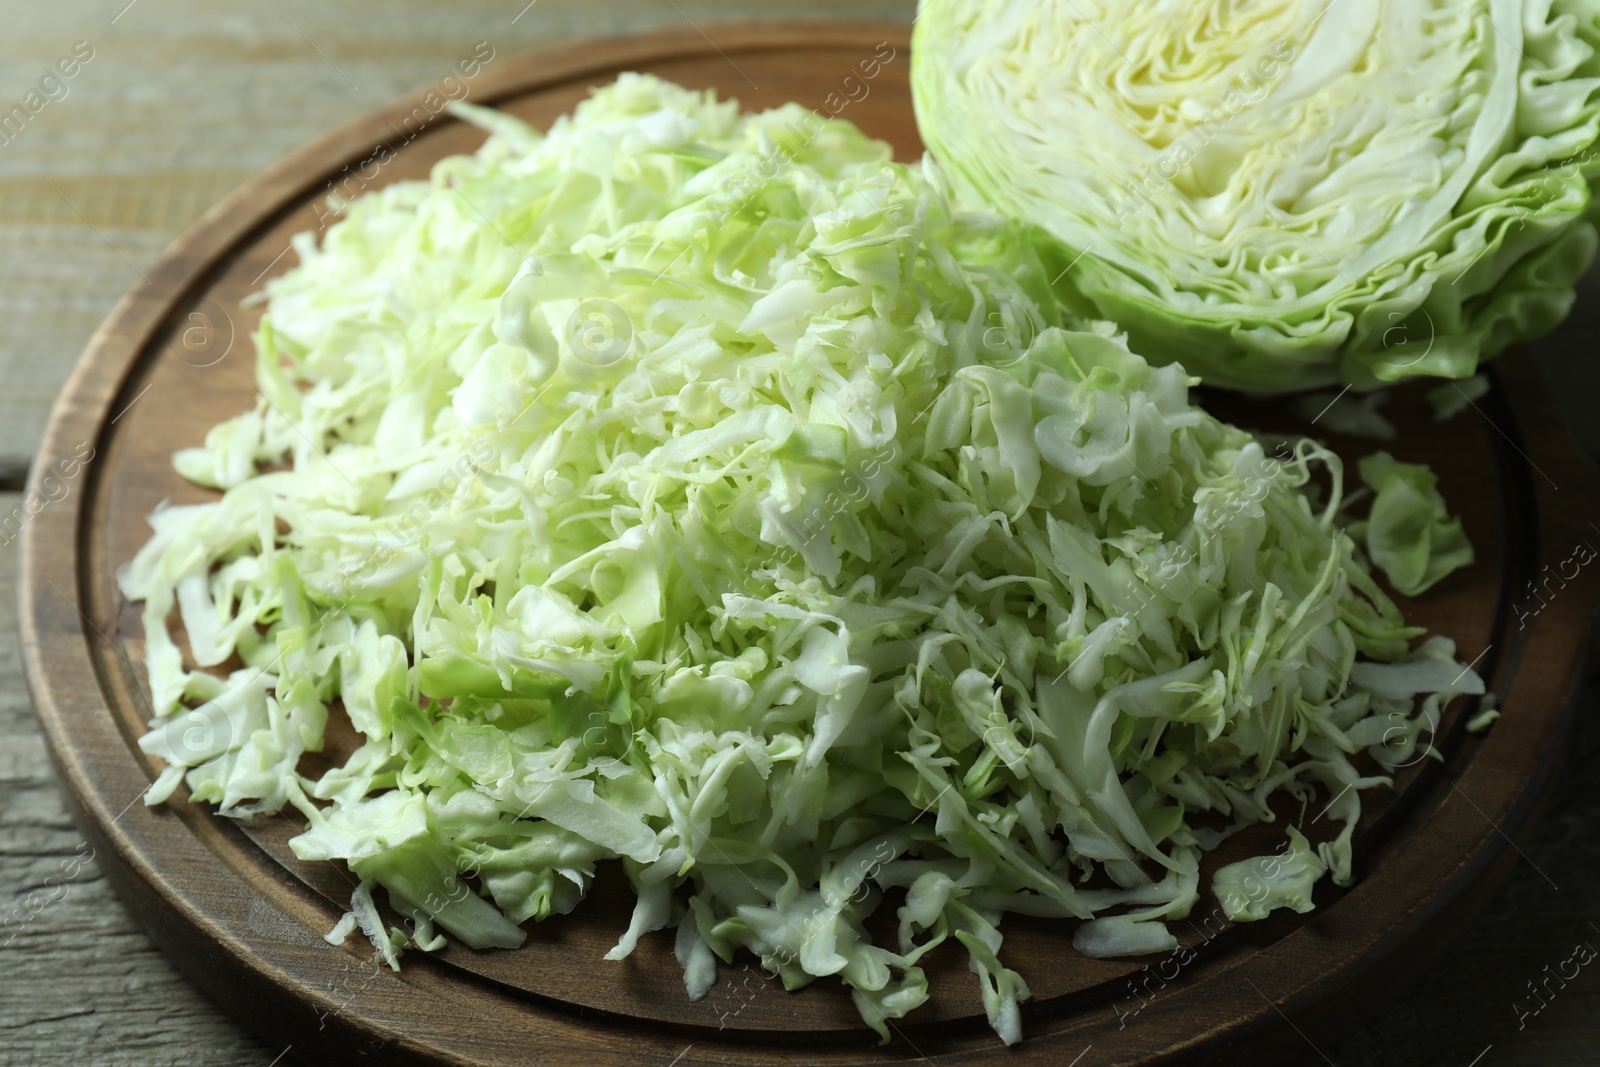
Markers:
point(701, 490)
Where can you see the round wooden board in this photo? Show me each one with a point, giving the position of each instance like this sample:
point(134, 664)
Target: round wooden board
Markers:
point(234, 908)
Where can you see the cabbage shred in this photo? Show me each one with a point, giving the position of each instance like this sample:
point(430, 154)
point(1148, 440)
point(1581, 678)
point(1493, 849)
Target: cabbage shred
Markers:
point(703, 491)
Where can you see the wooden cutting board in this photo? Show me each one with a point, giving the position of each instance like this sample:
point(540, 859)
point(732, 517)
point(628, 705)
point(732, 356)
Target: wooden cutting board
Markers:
point(244, 919)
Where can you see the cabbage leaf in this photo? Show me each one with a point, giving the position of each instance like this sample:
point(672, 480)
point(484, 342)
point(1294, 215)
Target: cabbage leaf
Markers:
point(1409, 532)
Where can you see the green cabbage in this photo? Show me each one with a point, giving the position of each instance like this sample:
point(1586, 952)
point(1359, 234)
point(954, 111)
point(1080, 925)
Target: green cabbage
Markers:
point(1409, 532)
point(702, 491)
point(1252, 888)
point(1284, 195)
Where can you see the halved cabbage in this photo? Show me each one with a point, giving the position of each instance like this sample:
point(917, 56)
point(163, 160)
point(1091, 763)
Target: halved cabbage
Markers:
point(1284, 194)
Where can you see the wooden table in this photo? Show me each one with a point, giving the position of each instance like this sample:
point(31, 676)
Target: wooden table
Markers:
point(180, 102)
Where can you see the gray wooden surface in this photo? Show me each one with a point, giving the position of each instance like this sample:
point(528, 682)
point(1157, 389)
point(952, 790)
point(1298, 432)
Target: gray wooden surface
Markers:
point(181, 102)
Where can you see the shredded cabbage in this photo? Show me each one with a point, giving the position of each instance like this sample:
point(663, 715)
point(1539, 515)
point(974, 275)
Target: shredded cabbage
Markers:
point(702, 491)
point(1409, 533)
point(1283, 195)
point(1452, 398)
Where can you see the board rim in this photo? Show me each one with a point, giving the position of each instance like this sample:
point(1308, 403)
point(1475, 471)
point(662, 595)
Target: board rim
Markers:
point(56, 647)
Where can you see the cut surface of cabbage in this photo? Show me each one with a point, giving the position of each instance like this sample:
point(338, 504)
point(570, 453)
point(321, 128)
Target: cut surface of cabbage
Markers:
point(1284, 194)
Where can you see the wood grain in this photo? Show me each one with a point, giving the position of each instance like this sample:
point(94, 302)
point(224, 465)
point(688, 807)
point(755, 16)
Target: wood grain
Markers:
point(269, 924)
